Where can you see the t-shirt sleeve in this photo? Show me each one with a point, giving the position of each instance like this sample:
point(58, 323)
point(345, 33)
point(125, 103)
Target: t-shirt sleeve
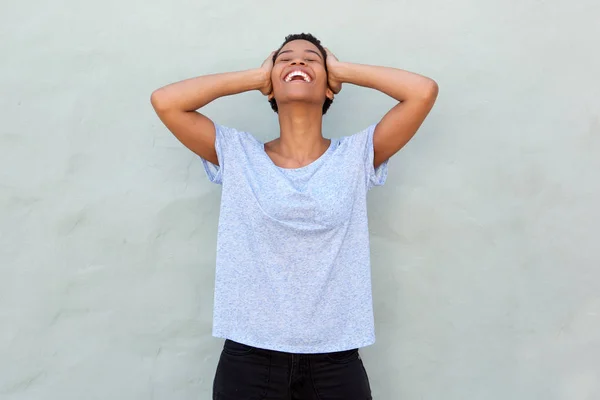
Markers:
point(373, 176)
point(224, 140)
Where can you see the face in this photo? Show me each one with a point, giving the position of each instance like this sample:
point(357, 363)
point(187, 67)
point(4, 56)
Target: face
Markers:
point(299, 75)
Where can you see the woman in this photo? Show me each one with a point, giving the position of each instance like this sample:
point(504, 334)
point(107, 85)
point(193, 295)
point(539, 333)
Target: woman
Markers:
point(292, 285)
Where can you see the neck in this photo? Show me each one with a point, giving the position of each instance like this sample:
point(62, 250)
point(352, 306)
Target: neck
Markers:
point(300, 131)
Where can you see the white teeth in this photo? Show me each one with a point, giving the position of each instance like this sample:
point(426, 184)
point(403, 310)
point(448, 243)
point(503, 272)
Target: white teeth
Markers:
point(297, 73)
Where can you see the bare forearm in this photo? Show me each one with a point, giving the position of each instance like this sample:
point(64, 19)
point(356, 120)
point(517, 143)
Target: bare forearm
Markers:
point(399, 84)
point(192, 94)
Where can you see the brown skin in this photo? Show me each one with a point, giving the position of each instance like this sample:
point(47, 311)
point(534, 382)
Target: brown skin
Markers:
point(300, 104)
point(415, 94)
point(176, 106)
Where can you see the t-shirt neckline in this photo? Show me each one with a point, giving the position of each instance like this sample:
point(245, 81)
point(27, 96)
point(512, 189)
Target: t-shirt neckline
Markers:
point(304, 168)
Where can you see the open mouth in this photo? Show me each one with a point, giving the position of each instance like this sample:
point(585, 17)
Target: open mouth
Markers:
point(297, 76)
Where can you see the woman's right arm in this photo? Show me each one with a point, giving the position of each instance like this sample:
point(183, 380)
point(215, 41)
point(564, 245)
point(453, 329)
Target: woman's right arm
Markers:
point(176, 105)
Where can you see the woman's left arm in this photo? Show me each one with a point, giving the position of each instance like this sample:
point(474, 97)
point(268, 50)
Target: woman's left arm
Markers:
point(415, 93)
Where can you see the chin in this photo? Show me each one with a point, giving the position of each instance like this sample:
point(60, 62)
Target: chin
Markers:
point(301, 102)
point(308, 98)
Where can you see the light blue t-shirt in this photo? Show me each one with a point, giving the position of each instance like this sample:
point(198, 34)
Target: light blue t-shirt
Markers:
point(293, 266)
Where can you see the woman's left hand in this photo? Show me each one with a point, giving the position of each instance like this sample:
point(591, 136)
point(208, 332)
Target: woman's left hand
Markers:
point(333, 80)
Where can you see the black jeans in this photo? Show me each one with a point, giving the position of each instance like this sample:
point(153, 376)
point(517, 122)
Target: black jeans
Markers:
point(246, 372)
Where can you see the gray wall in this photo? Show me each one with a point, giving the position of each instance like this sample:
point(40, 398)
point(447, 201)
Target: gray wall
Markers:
point(484, 239)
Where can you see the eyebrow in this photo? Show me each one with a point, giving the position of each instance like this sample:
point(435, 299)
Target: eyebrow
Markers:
point(306, 51)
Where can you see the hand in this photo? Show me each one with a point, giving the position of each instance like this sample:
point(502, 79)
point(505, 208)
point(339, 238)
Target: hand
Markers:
point(266, 67)
point(334, 82)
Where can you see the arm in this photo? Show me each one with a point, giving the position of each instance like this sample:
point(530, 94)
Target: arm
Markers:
point(415, 94)
point(176, 105)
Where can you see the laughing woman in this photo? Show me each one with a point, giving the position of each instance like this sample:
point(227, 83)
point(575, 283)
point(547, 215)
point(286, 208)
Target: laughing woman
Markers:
point(293, 283)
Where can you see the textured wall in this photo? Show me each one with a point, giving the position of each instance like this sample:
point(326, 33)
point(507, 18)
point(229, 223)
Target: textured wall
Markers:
point(484, 240)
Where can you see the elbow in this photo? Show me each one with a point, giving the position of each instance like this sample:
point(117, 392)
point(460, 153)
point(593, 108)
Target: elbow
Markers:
point(430, 91)
point(159, 100)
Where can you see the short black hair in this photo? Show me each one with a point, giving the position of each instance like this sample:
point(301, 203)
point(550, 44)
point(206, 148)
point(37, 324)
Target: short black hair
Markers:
point(310, 38)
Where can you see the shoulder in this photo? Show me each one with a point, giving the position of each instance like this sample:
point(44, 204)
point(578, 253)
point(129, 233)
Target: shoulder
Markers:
point(233, 132)
point(234, 136)
point(360, 139)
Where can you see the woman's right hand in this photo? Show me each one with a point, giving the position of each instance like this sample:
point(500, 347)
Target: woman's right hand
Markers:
point(266, 67)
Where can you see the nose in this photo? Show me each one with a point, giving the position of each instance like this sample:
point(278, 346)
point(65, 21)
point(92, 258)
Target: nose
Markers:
point(297, 62)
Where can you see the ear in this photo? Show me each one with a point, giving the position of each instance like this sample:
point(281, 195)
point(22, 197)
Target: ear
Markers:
point(329, 93)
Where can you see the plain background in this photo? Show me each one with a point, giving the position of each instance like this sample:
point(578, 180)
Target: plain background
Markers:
point(485, 239)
